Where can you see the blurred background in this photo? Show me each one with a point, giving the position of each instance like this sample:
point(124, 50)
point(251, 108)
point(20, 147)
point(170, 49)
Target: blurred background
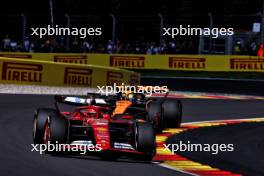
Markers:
point(133, 26)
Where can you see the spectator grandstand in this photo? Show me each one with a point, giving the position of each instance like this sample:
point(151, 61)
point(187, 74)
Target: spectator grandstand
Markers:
point(130, 26)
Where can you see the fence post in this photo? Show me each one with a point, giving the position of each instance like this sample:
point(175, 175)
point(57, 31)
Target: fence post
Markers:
point(113, 28)
point(161, 27)
point(210, 37)
point(24, 23)
point(262, 24)
point(68, 25)
point(51, 13)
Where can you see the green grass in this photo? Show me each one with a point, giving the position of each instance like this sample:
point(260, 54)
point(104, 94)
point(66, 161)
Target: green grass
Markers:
point(202, 74)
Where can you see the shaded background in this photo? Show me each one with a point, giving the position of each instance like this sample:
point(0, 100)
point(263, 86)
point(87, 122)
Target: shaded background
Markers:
point(136, 20)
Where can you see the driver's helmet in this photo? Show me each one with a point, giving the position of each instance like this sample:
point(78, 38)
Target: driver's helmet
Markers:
point(132, 97)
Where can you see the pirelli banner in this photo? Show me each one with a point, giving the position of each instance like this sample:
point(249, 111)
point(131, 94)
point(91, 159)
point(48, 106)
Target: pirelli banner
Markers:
point(163, 62)
point(32, 72)
point(189, 62)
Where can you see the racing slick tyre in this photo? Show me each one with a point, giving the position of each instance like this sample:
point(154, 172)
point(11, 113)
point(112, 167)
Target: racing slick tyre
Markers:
point(172, 113)
point(56, 129)
point(145, 140)
point(55, 132)
point(154, 111)
point(40, 117)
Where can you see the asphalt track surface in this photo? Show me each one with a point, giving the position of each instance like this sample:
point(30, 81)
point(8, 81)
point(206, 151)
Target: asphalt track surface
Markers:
point(16, 158)
point(247, 157)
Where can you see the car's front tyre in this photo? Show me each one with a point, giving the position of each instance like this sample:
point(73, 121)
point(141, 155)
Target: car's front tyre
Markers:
point(145, 139)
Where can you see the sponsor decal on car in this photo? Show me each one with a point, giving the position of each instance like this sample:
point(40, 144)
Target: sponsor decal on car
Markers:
point(81, 142)
point(101, 129)
point(123, 146)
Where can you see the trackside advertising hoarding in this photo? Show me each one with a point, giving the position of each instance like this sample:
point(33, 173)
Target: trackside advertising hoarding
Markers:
point(33, 72)
point(166, 62)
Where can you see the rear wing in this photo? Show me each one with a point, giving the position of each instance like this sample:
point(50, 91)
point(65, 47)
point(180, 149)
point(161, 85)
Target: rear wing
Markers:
point(77, 101)
point(89, 99)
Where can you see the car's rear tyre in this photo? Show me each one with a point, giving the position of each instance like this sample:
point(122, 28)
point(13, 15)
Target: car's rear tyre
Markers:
point(55, 132)
point(145, 140)
point(40, 117)
point(154, 115)
point(57, 127)
point(172, 113)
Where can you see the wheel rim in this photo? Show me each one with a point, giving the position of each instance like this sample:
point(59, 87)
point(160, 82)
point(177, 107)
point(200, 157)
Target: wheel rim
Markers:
point(136, 139)
point(47, 132)
point(34, 127)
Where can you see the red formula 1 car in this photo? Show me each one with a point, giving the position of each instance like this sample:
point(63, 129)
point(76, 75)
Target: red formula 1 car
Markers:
point(92, 123)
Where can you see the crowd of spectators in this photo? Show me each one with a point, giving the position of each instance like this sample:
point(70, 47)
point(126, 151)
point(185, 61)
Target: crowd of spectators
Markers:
point(77, 45)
